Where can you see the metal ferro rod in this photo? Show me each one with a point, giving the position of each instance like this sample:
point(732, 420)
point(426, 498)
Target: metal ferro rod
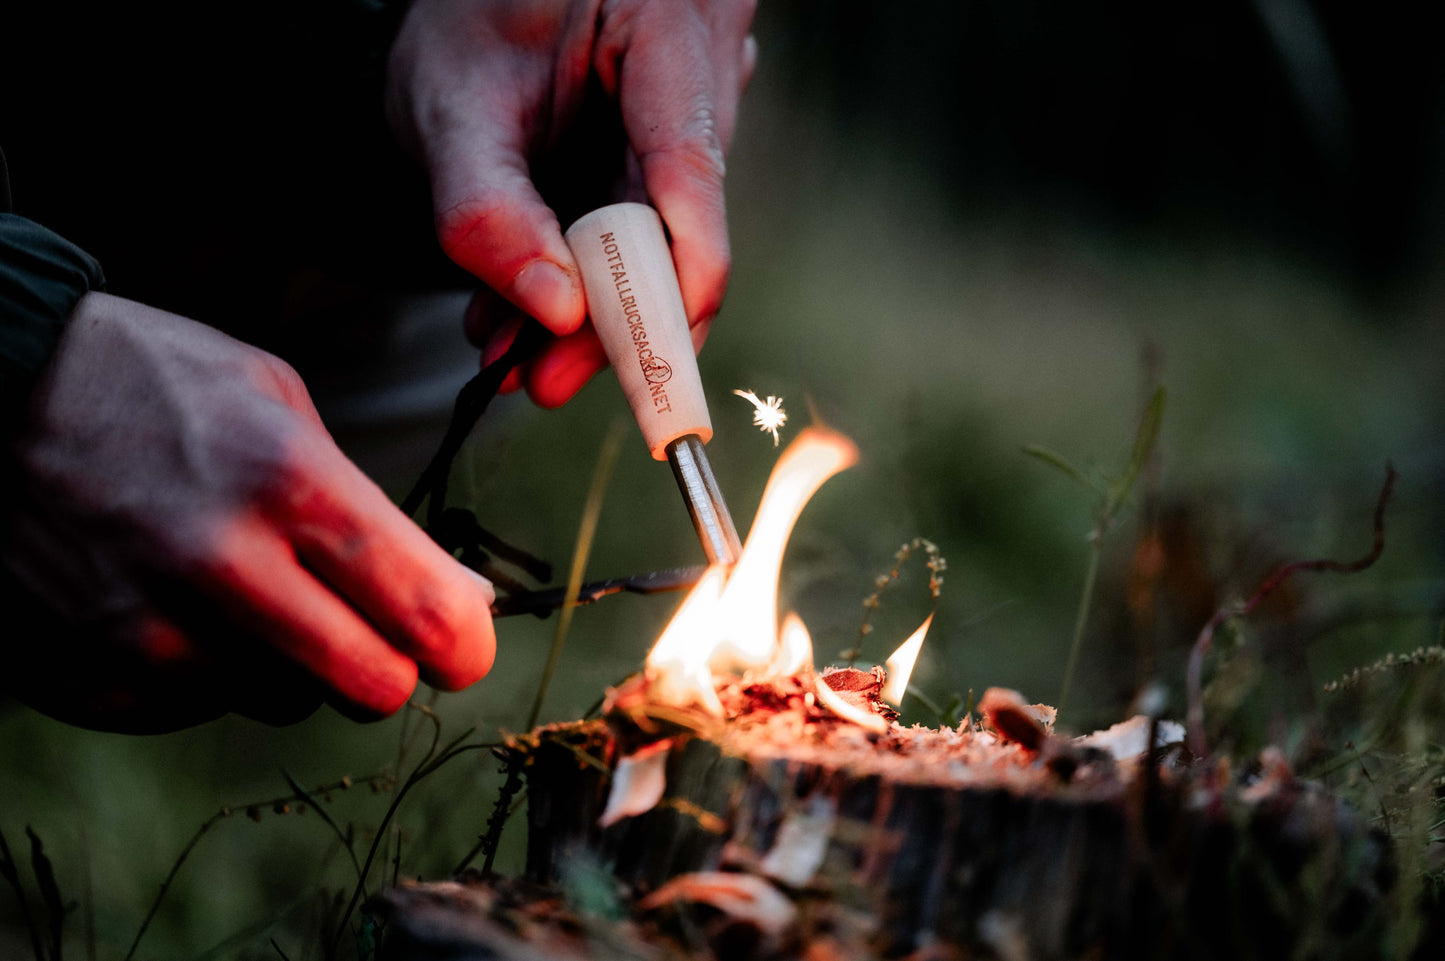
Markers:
point(704, 501)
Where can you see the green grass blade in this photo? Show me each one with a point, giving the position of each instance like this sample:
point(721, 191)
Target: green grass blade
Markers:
point(1060, 463)
point(591, 511)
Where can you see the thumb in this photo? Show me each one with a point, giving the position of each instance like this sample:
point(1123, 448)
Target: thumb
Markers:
point(491, 220)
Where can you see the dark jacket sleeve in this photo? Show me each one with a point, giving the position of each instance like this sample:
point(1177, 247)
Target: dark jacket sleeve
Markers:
point(42, 276)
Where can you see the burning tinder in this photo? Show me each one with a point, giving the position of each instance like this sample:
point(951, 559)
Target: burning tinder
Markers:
point(729, 622)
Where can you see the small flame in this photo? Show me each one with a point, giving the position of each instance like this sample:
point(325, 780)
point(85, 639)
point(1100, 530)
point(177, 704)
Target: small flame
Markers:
point(676, 666)
point(795, 648)
point(900, 664)
point(734, 625)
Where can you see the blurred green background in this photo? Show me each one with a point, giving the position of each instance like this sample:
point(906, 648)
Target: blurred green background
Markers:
point(958, 229)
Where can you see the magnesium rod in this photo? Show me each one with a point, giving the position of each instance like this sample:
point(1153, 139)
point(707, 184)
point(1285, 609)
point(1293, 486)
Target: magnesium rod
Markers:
point(709, 511)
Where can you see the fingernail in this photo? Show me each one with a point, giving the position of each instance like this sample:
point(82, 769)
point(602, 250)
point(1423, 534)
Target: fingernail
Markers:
point(548, 293)
point(485, 585)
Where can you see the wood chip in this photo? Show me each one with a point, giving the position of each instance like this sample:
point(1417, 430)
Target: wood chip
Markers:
point(1006, 711)
point(1129, 739)
point(802, 842)
point(638, 783)
point(744, 898)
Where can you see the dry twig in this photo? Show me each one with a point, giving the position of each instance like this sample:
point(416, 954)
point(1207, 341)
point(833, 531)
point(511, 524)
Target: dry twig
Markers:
point(1194, 679)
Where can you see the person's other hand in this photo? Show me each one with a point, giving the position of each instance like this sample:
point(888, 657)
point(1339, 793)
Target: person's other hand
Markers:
point(195, 543)
point(487, 93)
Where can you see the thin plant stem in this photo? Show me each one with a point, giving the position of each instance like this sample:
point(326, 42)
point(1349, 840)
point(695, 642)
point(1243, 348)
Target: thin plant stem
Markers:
point(1383, 724)
point(1081, 618)
point(1379, 795)
point(1113, 493)
point(175, 869)
point(326, 818)
point(408, 733)
point(936, 566)
point(88, 876)
point(925, 700)
point(1194, 676)
point(424, 768)
point(201, 831)
point(1342, 761)
point(501, 813)
point(49, 892)
point(9, 869)
point(586, 531)
point(396, 855)
point(517, 803)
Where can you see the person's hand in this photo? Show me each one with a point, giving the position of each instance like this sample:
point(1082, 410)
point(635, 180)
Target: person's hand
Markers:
point(195, 543)
point(488, 92)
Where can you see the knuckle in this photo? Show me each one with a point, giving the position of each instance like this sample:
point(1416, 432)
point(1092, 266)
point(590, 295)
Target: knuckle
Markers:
point(286, 472)
point(205, 547)
point(284, 378)
point(699, 144)
point(260, 451)
point(475, 217)
point(432, 625)
point(452, 638)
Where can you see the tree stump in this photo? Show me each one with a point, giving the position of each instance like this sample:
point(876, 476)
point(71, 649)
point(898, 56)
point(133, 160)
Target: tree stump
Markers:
point(788, 832)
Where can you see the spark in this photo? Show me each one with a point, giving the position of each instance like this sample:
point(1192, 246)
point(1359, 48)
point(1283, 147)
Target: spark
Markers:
point(768, 415)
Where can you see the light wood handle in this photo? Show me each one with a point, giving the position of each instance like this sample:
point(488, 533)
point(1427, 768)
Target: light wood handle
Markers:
point(636, 306)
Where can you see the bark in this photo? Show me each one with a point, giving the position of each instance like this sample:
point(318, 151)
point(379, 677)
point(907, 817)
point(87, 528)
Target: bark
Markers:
point(961, 843)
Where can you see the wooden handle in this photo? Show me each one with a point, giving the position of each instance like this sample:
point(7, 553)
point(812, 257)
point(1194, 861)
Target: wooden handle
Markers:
point(636, 306)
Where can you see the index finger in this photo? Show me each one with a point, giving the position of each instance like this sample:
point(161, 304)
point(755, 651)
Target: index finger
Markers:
point(421, 600)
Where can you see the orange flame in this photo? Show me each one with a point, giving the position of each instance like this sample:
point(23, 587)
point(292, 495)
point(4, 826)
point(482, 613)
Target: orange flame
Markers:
point(795, 648)
point(900, 664)
point(677, 666)
point(731, 622)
